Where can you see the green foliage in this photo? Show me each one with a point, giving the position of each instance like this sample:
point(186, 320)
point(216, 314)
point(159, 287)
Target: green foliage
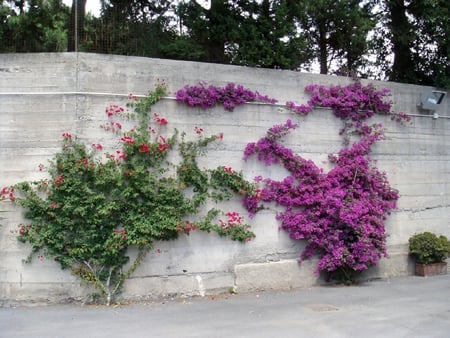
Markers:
point(39, 27)
point(182, 48)
point(429, 248)
point(431, 50)
point(337, 31)
point(417, 34)
point(267, 36)
point(92, 209)
point(138, 27)
point(405, 41)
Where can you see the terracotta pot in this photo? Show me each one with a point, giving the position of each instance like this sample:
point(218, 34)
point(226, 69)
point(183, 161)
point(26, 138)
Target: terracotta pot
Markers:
point(431, 269)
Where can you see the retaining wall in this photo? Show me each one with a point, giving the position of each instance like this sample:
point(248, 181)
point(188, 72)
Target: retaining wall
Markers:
point(43, 95)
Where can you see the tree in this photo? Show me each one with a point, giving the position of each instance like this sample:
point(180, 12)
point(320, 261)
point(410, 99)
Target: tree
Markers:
point(5, 14)
point(246, 32)
point(431, 47)
point(402, 40)
point(133, 28)
point(414, 35)
point(211, 29)
point(35, 26)
point(337, 31)
point(399, 40)
point(267, 36)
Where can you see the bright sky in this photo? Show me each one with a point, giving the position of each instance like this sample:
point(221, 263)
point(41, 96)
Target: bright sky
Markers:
point(93, 6)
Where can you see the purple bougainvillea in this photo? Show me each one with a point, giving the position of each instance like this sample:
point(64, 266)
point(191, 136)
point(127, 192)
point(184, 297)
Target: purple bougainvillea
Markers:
point(230, 96)
point(340, 214)
point(354, 101)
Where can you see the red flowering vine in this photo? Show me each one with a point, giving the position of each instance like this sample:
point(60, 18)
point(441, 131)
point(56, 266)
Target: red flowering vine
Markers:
point(92, 208)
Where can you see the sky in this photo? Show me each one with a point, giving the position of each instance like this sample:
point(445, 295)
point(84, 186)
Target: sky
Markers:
point(93, 6)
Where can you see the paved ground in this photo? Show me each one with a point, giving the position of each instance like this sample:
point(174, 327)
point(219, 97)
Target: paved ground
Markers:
point(401, 307)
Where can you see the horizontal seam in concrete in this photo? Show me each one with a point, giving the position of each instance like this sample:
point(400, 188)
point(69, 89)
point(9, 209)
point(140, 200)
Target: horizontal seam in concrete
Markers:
point(172, 98)
point(186, 274)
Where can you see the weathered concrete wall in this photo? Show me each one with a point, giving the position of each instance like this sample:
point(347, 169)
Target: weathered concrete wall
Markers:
point(43, 95)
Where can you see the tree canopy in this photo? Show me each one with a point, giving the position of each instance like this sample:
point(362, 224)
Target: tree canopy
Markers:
point(397, 40)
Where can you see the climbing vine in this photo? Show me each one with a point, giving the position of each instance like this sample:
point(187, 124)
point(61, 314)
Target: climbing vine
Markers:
point(229, 96)
point(95, 205)
point(340, 214)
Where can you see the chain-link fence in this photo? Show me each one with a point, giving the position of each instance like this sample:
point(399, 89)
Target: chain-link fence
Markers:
point(145, 28)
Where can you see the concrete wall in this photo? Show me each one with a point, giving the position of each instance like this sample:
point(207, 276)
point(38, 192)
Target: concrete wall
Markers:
point(43, 95)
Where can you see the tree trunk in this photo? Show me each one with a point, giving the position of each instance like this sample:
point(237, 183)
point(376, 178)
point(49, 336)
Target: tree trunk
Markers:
point(215, 47)
point(323, 53)
point(403, 66)
point(76, 29)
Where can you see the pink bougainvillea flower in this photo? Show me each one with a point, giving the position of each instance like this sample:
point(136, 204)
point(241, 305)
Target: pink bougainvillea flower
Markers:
point(186, 227)
point(112, 126)
point(128, 140)
point(85, 161)
point(234, 218)
point(114, 109)
point(228, 169)
point(4, 191)
point(66, 135)
point(59, 180)
point(144, 148)
point(97, 146)
point(162, 120)
point(159, 120)
point(162, 147)
point(121, 155)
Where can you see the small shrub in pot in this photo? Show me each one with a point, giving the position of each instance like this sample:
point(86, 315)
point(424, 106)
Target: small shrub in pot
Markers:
point(428, 248)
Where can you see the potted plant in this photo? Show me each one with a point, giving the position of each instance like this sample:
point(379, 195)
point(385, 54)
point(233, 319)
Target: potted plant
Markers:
point(430, 252)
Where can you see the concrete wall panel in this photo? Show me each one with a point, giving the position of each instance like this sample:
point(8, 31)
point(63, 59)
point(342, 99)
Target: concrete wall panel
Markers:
point(44, 95)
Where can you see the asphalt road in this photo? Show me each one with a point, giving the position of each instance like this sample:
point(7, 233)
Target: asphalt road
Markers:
point(401, 307)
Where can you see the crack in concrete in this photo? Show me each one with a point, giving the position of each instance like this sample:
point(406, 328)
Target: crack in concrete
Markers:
point(416, 210)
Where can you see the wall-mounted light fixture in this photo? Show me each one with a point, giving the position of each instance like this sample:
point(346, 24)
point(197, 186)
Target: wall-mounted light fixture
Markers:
point(431, 99)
